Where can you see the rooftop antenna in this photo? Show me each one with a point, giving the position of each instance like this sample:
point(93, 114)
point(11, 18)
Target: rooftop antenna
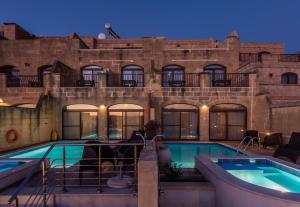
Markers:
point(111, 33)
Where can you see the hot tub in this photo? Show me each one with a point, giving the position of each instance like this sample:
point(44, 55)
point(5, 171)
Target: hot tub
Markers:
point(14, 170)
point(252, 181)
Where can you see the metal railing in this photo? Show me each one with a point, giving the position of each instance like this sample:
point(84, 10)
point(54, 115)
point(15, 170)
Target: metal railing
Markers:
point(245, 143)
point(79, 80)
point(23, 81)
point(289, 58)
point(102, 166)
point(41, 193)
point(246, 58)
point(215, 80)
point(229, 80)
point(125, 80)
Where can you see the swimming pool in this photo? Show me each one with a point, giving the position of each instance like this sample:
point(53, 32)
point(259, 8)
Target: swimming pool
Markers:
point(263, 173)
point(73, 154)
point(183, 154)
point(7, 165)
point(258, 181)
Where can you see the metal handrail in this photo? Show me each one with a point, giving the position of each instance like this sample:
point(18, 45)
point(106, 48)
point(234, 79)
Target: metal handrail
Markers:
point(14, 196)
point(32, 172)
point(238, 147)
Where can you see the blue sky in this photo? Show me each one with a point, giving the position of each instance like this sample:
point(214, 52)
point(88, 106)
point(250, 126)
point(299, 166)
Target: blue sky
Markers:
point(254, 20)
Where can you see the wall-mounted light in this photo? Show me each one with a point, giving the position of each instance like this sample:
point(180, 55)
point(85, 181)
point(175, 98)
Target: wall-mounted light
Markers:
point(268, 133)
point(204, 107)
point(102, 106)
point(2, 103)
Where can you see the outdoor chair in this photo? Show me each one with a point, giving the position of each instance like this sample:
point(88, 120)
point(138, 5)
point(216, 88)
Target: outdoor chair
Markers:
point(274, 139)
point(90, 158)
point(291, 150)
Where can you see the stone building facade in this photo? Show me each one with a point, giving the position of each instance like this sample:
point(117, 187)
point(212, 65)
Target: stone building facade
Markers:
point(196, 89)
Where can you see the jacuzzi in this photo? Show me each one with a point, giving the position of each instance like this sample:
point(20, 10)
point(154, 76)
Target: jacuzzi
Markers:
point(14, 170)
point(252, 181)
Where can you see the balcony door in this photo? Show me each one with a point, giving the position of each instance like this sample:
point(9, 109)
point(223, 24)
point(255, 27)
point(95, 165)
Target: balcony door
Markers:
point(91, 74)
point(216, 74)
point(173, 76)
point(132, 76)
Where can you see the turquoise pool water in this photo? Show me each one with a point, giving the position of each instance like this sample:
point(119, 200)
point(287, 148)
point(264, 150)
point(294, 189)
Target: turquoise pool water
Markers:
point(4, 166)
point(73, 154)
point(183, 153)
point(265, 175)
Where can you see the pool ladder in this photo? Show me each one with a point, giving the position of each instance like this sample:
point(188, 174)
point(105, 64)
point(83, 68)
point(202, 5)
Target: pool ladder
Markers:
point(243, 147)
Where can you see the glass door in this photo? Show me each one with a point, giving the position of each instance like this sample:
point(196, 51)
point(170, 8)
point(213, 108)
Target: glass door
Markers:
point(80, 125)
point(121, 124)
point(178, 124)
point(236, 125)
point(89, 125)
point(218, 126)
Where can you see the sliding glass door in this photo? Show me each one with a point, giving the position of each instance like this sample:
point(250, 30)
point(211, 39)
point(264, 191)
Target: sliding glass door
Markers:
point(227, 122)
point(80, 121)
point(180, 121)
point(123, 119)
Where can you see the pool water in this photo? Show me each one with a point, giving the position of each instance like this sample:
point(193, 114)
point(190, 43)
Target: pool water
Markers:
point(265, 175)
point(73, 154)
point(4, 165)
point(183, 154)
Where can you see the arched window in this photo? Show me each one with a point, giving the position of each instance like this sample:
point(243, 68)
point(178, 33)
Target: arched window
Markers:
point(123, 119)
point(12, 73)
point(173, 76)
point(227, 122)
point(132, 76)
point(217, 75)
point(180, 121)
point(289, 78)
point(260, 54)
point(90, 75)
point(80, 121)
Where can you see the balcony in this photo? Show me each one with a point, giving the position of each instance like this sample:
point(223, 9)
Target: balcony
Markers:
point(79, 80)
point(112, 80)
point(212, 79)
point(246, 58)
point(23, 81)
point(125, 80)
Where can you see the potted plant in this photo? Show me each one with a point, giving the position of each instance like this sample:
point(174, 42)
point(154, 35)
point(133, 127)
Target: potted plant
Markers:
point(171, 171)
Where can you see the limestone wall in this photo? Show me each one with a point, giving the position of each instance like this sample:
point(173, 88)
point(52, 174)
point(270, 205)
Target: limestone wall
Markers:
point(286, 119)
point(32, 125)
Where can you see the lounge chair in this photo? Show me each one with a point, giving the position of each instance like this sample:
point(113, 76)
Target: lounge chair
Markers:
point(274, 139)
point(90, 158)
point(251, 134)
point(291, 150)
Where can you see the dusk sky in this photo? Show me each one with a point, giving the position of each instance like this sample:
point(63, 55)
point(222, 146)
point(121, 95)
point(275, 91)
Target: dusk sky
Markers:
point(254, 20)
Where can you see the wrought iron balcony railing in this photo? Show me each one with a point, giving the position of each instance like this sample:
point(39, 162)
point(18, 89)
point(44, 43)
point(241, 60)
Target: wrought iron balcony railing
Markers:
point(214, 80)
point(23, 81)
